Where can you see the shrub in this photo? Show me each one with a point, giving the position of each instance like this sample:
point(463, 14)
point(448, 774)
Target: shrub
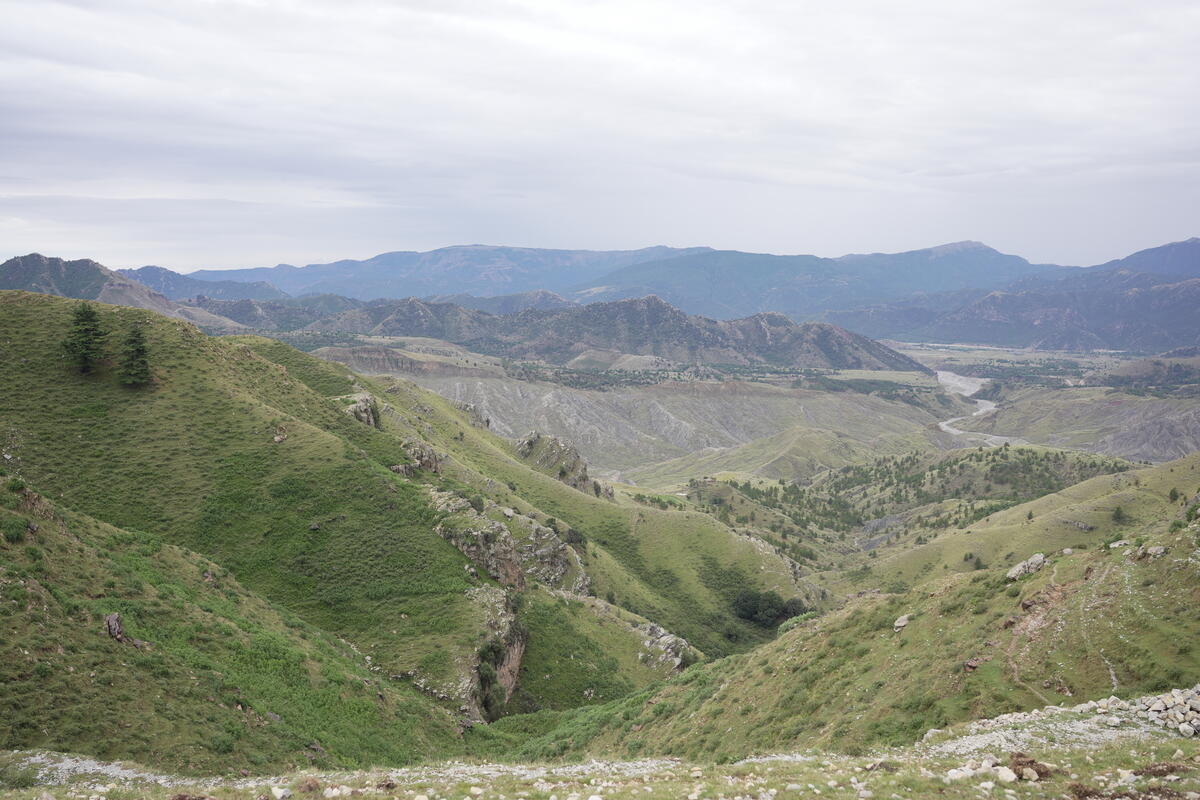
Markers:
point(14, 529)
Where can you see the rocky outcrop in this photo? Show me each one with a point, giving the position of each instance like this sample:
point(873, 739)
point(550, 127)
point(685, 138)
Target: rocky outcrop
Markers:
point(546, 558)
point(487, 543)
point(493, 679)
point(364, 409)
point(661, 647)
point(559, 458)
point(424, 457)
point(1027, 567)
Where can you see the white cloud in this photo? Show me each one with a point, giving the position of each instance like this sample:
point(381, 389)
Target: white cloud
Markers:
point(235, 132)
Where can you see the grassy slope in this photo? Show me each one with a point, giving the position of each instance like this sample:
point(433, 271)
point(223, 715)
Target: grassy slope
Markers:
point(220, 661)
point(847, 679)
point(317, 523)
point(655, 563)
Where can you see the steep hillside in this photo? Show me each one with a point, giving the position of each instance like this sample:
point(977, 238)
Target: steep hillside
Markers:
point(181, 287)
point(86, 280)
point(1136, 426)
point(692, 428)
point(964, 641)
point(482, 270)
point(645, 326)
point(193, 673)
point(375, 511)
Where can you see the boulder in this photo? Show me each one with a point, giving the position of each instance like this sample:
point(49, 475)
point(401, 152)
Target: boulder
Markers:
point(1027, 567)
point(900, 624)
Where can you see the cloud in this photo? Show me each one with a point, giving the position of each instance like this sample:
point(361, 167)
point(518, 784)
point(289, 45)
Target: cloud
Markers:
point(235, 132)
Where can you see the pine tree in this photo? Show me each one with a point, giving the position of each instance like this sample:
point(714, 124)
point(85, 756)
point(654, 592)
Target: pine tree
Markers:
point(84, 344)
point(135, 359)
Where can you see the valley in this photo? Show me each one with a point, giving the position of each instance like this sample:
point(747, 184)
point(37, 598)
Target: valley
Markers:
point(400, 532)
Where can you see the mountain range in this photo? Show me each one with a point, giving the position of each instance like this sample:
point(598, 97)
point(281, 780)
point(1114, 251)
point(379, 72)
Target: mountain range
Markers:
point(964, 291)
point(644, 326)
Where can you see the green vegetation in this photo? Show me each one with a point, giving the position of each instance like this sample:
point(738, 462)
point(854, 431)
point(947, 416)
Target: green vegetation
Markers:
point(84, 343)
point(212, 677)
point(135, 359)
point(972, 645)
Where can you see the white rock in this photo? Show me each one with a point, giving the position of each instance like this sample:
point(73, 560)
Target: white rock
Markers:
point(1029, 774)
point(476, 790)
point(1187, 729)
point(1006, 775)
point(281, 792)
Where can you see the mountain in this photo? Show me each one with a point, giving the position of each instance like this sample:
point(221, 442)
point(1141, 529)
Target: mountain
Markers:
point(1181, 259)
point(181, 287)
point(539, 300)
point(278, 315)
point(86, 280)
point(725, 284)
point(1142, 303)
point(478, 269)
point(644, 326)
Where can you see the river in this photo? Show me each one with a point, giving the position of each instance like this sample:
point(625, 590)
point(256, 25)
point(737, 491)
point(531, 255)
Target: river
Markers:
point(967, 386)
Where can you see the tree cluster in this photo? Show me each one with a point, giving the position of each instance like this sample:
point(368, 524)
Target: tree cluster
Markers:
point(85, 344)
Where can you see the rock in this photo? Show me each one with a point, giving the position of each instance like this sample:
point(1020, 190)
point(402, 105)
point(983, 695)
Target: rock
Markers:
point(1119, 543)
point(1156, 551)
point(1027, 567)
point(364, 409)
point(114, 628)
point(1112, 722)
point(1005, 775)
point(793, 787)
point(900, 624)
point(476, 790)
point(310, 785)
point(1029, 774)
point(1187, 729)
point(281, 792)
point(1066, 551)
point(423, 455)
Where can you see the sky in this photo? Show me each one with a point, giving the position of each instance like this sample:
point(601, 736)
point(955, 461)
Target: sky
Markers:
point(233, 133)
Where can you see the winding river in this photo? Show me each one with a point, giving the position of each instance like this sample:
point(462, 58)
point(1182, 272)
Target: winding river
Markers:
point(967, 386)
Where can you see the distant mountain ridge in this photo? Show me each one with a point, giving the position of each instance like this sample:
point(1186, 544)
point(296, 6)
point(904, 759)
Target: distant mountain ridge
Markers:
point(1143, 303)
point(182, 287)
point(87, 280)
point(643, 326)
point(723, 284)
point(478, 269)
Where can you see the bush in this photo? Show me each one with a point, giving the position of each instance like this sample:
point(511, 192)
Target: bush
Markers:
point(14, 529)
point(13, 776)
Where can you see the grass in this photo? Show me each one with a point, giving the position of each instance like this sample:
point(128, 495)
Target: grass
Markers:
point(242, 452)
point(223, 681)
point(848, 681)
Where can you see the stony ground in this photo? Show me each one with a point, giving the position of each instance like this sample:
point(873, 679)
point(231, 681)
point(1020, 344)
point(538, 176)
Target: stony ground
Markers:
point(1110, 749)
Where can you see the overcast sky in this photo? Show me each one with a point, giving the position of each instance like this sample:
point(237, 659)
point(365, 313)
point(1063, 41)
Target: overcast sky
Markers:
point(250, 132)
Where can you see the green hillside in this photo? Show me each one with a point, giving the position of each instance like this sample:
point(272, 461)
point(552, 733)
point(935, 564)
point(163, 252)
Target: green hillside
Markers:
point(219, 680)
point(1095, 620)
point(373, 512)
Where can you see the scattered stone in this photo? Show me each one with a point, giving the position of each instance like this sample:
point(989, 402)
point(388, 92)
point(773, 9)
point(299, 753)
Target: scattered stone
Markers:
point(900, 624)
point(1006, 775)
point(281, 792)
